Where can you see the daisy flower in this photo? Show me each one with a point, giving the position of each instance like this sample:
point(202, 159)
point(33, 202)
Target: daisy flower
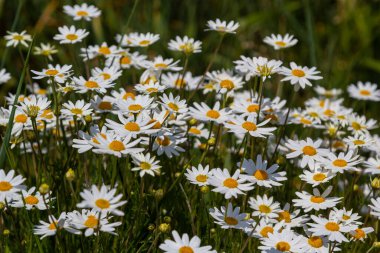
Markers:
point(186, 45)
point(132, 126)
point(372, 165)
point(10, 185)
point(92, 222)
point(359, 124)
point(263, 228)
point(186, 82)
point(50, 228)
point(102, 200)
point(174, 104)
point(375, 207)
point(168, 144)
point(247, 107)
point(143, 40)
point(35, 106)
point(31, 199)
point(361, 233)
point(222, 26)
point(103, 50)
point(199, 176)
point(135, 104)
point(203, 112)
point(109, 74)
point(291, 219)
point(315, 201)
point(145, 164)
point(358, 140)
point(102, 105)
point(92, 84)
point(184, 245)
point(316, 244)
point(264, 207)
point(198, 131)
point(281, 241)
point(151, 88)
point(126, 60)
point(330, 228)
point(257, 66)
point(46, 50)
point(70, 35)
point(113, 144)
point(364, 91)
point(225, 81)
point(229, 186)
point(15, 38)
point(341, 163)
point(259, 174)
point(84, 11)
point(279, 42)
point(4, 76)
point(317, 176)
point(58, 72)
point(160, 64)
point(241, 125)
point(232, 218)
point(299, 76)
point(80, 109)
point(309, 151)
point(345, 216)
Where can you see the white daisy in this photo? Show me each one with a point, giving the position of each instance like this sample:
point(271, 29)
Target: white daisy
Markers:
point(145, 164)
point(279, 42)
point(316, 201)
point(232, 218)
point(299, 76)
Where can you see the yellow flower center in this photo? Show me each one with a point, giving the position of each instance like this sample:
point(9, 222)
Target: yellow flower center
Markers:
point(340, 163)
point(102, 203)
point(358, 142)
point(160, 65)
point(213, 114)
point(145, 166)
point(42, 92)
point(249, 126)
point(91, 84)
point(359, 234)
point(201, 178)
point(163, 142)
point(71, 36)
point(194, 130)
point(157, 124)
point(284, 215)
point(105, 76)
point(305, 121)
point(180, 83)
point(82, 13)
point(91, 222)
point(315, 241)
point(185, 249)
point(260, 175)
point(5, 186)
point(132, 127)
point(264, 209)
point(125, 60)
point(309, 150)
point(345, 217)
point(356, 126)
point(18, 37)
point(317, 199)
point(253, 108)
point(319, 177)
point(227, 84)
point(51, 72)
point(173, 106)
point(332, 226)
point(264, 232)
point(230, 183)
point(135, 107)
point(298, 73)
point(104, 50)
point(280, 43)
point(31, 200)
point(365, 92)
point(152, 90)
point(21, 118)
point(283, 246)
point(76, 111)
point(231, 221)
point(53, 225)
point(144, 42)
point(105, 105)
point(129, 95)
point(116, 146)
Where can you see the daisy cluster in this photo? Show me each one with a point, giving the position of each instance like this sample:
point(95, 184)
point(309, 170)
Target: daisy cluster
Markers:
point(169, 122)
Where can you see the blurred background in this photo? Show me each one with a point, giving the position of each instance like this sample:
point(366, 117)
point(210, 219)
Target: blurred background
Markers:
point(340, 37)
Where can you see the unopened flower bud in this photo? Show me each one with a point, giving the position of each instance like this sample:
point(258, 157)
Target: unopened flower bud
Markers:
point(44, 189)
point(151, 227)
point(177, 174)
point(164, 227)
point(167, 219)
point(376, 245)
point(158, 194)
point(88, 118)
point(6, 232)
point(375, 183)
point(70, 174)
point(193, 121)
point(211, 141)
point(205, 189)
point(2, 205)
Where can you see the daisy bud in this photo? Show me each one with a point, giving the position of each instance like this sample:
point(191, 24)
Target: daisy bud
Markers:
point(356, 187)
point(2, 205)
point(70, 175)
point(88, 118)
point(164, 227)
point(164, 211)
point(211, 141)
point(158, 194)
point(44, 189)
point(177, 174)
point(375, 183)
point(151, 227)
point(376, 245)
point(167, 219)
point(193, 121)
point(213, 231)
point(202, 146)
point(205, 189)
point(6, 232)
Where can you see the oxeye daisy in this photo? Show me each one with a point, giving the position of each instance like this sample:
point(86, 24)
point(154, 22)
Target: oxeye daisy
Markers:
point(198, 131)
point(316, 201)
point(184, 245)
point(50, 228)
point(103, 200)
point(309, 151)
point(225, 81)
point(70, 35)
point(199, 176)
point(4, 76)
point(372, 165)
point(21, 121)
point(135, 104)
point(263, 228)
point(186, 45)
point(31, 199)
point(132, 125)
point(317, 176)
point(46, 50)
point(186, 82)
point(316, 244)
point(15, 38)
point(92, 84)
point(142, 40)
point(345, 216)
point(109, 74)
point(161, 64)
point(151, 88)
point(281, 241)
point(299, 76)
point(280, 42)
point(250, 106)
point(361, 233)
point(35, 106)
point(168, 144)
point(364, 91)
point(264, 207)
point(257, 66)
point(359, 124)
point(92, 222)
point(58, 73)
point(126, 60)
point(174, 104)
point(203, 112)
point(145, 164)
point(82, 12)
point(222, 26)
point(358, 140)
point(102, 51)
point(230, 218)
point(341, 163)
point(330, 228)
point(116, 145)
point(102, 105)
point(79, 110)
point(291, 219)
point(258, 173)
point(241, 125)
point(229, 186)
point(375, 207)
point(10, 185)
